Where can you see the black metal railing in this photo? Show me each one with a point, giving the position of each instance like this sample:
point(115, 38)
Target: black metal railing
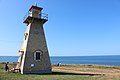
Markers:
point(42, 16)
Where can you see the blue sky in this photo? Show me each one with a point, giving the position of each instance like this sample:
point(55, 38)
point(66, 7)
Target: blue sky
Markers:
point(75, 27)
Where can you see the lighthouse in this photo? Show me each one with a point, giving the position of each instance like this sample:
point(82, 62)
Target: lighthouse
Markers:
point(34, 56)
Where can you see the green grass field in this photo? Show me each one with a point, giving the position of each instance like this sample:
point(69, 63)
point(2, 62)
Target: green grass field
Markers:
point(66, 72)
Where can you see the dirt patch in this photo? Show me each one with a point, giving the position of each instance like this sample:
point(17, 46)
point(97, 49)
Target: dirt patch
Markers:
point(87, 69)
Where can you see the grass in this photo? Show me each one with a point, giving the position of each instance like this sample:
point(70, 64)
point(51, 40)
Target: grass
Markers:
point(66, 72)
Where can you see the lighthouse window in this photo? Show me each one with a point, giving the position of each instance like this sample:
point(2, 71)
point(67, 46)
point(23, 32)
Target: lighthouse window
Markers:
point(37, 55)
point(26, 34)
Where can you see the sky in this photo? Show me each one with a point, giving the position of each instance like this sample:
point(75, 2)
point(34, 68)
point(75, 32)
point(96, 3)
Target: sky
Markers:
point(74, 27)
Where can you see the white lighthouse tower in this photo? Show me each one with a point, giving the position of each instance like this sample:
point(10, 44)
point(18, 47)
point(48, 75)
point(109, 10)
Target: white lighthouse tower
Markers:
point(34, 55)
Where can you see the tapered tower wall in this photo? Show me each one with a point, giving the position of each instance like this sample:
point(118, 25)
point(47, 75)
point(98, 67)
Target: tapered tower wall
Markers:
point(36, 42)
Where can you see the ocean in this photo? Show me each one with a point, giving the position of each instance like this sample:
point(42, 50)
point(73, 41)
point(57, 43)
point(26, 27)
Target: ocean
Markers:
point(113, 60)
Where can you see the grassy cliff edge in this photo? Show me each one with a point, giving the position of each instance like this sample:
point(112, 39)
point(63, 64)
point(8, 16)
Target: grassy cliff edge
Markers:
point(67, 72)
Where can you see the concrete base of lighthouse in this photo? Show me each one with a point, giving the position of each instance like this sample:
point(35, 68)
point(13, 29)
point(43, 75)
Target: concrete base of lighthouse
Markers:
point(38, 72)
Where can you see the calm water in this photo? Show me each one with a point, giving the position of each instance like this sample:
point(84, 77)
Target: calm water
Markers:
point(103, 60)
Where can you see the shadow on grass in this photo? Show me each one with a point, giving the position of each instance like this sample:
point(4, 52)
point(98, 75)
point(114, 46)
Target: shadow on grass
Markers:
point(65, 73)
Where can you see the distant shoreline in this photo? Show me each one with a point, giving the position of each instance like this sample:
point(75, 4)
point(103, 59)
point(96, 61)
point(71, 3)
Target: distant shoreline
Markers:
point(99, 60)
point(70, 55)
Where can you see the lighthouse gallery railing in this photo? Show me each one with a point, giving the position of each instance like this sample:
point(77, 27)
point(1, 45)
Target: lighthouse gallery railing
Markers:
point(42, 16)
